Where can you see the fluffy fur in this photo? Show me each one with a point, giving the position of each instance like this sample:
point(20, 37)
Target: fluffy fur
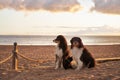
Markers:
point(81, 55)
point(62, 54)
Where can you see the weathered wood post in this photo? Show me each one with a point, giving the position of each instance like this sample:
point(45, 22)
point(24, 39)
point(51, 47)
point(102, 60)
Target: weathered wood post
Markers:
point(15, 57)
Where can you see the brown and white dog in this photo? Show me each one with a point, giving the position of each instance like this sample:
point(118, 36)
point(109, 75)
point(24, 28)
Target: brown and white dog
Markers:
point(62, 54)
point(81, 55)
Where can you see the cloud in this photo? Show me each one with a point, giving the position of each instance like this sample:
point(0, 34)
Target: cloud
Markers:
point(101, 30)
point(48, 5)
point(107, 6)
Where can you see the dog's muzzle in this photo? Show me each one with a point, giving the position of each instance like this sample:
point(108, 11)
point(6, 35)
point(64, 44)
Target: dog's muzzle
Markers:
point(53, 40)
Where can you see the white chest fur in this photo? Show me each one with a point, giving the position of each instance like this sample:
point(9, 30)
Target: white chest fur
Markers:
point(76, 52)
point(58, 52)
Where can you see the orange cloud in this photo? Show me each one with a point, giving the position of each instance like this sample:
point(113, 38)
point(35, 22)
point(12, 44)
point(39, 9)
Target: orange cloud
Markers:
point(48, 5)
point(107, 6)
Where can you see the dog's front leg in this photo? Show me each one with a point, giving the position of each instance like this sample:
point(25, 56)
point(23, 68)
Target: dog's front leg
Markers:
point(56, 62)
point(80, 64)
point(60, 63)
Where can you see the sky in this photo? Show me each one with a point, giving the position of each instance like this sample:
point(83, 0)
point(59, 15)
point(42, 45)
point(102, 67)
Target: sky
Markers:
point(53, 17)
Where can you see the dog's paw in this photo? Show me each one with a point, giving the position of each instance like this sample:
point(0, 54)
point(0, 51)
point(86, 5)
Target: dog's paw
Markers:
point(77, 69)
point(56, 68)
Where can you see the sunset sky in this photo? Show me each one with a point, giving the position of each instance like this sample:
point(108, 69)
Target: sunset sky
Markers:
point(51, 17)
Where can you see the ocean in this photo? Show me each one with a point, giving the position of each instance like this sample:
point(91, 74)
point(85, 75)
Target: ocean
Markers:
point(48, 40)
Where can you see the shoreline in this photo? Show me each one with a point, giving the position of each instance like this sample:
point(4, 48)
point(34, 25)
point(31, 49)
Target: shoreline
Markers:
point(68, 45)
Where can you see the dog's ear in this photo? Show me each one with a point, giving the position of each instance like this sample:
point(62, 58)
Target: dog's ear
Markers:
point(80, 43)
point(71, 41)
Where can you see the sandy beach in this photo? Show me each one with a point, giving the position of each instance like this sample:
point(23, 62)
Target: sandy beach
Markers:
point(44, 70)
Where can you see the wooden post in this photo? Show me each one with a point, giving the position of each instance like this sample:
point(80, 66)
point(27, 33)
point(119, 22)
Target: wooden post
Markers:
point(15, 57)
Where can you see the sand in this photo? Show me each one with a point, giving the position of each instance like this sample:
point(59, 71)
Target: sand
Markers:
point(44, 70)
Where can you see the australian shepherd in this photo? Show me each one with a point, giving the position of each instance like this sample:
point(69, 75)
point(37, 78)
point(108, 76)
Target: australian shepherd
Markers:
point(81, 55)
point(63, 57)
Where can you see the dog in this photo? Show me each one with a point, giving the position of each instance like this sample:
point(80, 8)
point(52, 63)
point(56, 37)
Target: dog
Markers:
point(81, 55)
point(63, 58)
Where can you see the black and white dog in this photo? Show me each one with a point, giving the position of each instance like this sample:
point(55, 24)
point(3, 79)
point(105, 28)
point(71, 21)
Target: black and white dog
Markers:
point(81, 55)
point(63, 58)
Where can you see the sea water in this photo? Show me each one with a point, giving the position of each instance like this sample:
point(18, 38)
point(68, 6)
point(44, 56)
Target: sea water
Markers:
point(48, 40)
